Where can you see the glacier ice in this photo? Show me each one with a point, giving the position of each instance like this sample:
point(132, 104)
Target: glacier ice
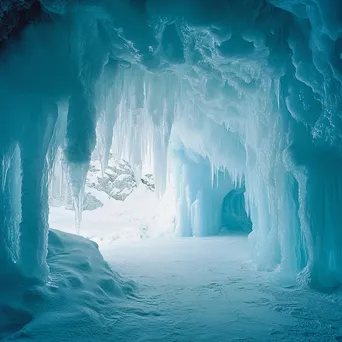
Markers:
point(220, 94)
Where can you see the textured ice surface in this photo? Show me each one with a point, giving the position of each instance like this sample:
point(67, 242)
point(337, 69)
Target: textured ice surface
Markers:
point(251, 87)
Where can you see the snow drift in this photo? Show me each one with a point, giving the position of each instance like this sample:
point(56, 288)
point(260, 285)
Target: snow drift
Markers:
point(81, 288)
point(241, 93)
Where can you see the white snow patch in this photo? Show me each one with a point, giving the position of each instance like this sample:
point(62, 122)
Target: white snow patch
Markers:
point(207, 289)
point(141, 215)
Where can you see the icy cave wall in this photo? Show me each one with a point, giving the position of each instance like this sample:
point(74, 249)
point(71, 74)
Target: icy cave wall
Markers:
point(15, 15)
point(251, 86)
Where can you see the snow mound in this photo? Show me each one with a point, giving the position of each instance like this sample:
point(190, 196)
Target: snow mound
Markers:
point(73, 305)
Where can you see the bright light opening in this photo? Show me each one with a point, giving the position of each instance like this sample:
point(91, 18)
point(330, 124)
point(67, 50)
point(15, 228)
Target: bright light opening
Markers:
point(119, 203)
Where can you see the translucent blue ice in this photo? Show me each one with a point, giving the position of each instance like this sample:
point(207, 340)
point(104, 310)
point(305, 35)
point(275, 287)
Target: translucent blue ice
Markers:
point(224, 94)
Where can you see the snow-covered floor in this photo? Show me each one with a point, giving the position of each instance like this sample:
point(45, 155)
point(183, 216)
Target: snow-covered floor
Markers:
point(186, 289)
point(165, 290)
point(207, 289)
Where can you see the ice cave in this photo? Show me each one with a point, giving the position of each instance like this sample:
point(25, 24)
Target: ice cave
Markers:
point(171, 170)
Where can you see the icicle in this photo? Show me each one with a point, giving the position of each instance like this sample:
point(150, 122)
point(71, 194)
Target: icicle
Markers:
point(277, 91)
point(78, 205)
point(217, 177)
point(212, 169)
point(100, 145)
point(160, 161)
point(5, 163)
point(196, 214)
point(77, 176)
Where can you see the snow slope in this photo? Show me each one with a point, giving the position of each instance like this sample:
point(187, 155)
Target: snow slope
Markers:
point(82, 295)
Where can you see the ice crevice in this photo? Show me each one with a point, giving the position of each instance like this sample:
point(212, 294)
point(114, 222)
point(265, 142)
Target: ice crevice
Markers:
point(224, 96)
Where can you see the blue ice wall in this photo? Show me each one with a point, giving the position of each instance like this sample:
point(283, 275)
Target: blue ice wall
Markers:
point(252, 87)
point(200, 191)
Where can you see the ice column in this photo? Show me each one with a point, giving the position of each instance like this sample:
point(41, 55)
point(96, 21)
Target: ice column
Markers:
point(34, 143)
point(199, 200)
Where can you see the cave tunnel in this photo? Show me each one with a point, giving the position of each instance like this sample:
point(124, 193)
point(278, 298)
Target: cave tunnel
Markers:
point(171, 170)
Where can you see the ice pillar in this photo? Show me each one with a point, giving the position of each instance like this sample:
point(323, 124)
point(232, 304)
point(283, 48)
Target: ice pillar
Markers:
point(34, 145)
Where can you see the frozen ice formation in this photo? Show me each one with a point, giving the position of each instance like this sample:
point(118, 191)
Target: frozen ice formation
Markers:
point(222, 94)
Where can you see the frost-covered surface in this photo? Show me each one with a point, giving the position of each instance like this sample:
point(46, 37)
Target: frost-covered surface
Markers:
point(81, 296)
point(181, 290)
point(118, 179)
point(208, 290)
point(148, 180)
point(233, 90)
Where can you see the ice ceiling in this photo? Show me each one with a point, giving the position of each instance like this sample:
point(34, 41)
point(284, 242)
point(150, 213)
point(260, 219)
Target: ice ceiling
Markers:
point(243, 93)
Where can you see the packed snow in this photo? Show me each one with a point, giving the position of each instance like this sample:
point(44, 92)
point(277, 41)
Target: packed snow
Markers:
point(73, 304)
point(208, 289)
point(170, 289)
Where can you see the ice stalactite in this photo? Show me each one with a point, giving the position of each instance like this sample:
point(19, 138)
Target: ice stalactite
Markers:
point(85, 104)
point(145, 116)
point(80, 142)
point(161, 106)
point(107, 108)
point(59, 189)
point(59, 185)
point(134, 118)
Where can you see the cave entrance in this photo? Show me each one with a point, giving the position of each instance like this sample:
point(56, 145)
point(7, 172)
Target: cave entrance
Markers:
point(119, 202)
point(154, 171)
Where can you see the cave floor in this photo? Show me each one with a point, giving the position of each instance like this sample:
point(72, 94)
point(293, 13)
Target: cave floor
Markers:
point(207, 289)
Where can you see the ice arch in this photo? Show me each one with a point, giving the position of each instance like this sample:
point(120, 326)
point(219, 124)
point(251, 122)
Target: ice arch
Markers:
point(253, 88)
